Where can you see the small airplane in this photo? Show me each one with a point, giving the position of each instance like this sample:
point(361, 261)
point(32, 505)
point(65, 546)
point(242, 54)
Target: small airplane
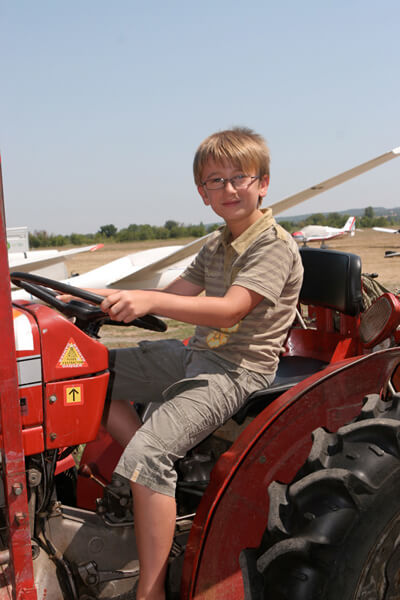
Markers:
point(386, 230)
point(388, 253)
point(158, 266)
point(322, 233)
point(391, 253)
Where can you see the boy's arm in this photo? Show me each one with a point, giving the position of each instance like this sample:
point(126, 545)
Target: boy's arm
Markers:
point(182, 287)
point(211, 311)
point(178, 286)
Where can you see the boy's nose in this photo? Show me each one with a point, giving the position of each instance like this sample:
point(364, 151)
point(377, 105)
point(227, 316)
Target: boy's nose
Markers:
point(228, 185)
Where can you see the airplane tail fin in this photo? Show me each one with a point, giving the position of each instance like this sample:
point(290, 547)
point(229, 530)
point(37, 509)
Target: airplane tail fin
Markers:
point(350, 225)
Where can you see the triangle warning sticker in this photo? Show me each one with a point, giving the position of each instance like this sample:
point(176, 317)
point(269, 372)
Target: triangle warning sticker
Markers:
point(71, 356)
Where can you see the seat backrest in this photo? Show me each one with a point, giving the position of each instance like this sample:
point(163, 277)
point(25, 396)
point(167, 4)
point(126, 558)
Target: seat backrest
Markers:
point(332, 279)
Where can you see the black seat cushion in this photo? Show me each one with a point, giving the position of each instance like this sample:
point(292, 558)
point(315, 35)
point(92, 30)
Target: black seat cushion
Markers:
point(291, 370)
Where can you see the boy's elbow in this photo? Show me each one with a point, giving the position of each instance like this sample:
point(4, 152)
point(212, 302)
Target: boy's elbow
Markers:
point(231, 319)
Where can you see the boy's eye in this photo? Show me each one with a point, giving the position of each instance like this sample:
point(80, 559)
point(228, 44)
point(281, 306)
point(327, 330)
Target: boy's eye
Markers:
point(214, 183)
point(238, 178)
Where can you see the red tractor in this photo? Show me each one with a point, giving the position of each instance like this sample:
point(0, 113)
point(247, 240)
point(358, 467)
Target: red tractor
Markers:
point(257, 519)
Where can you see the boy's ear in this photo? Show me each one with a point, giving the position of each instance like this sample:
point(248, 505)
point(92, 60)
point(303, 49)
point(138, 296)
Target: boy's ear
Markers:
point(264, 183)
point(203, 193)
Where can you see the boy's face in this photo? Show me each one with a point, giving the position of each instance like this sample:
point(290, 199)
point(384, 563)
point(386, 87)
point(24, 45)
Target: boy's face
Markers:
point(233, 205)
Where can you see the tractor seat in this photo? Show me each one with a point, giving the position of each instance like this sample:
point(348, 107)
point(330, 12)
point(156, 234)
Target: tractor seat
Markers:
point(291, 370)
point(332, 280)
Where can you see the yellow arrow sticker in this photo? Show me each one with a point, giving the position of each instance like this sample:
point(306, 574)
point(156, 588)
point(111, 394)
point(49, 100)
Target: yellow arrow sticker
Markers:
point(73, 394)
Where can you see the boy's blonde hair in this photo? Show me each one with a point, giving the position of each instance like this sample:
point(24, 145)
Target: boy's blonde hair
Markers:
point(240, 146)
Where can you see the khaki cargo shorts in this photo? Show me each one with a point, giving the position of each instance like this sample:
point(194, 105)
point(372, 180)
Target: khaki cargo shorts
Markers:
point(197, 392)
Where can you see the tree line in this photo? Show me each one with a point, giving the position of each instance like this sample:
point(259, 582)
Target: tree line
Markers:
point(334, 219)
point(173, 230)
point(110, 233)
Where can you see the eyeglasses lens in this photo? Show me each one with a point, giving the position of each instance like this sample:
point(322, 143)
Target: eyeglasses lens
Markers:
point(238, 182)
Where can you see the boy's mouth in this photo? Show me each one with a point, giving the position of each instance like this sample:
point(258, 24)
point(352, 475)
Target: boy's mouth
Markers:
point(231, 202)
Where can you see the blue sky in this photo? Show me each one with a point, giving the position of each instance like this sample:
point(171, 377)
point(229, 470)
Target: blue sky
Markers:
point(103, 104)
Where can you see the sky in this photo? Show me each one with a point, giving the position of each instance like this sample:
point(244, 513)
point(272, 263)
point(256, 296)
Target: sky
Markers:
point(103, 104)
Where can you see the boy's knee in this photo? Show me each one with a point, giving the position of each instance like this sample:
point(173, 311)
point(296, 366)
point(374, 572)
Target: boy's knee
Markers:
point(146, 462)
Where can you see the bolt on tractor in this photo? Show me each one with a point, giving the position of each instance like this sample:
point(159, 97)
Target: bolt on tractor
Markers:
point(295, 498)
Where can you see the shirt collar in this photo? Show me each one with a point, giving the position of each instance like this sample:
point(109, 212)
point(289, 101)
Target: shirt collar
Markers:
point(241, 243)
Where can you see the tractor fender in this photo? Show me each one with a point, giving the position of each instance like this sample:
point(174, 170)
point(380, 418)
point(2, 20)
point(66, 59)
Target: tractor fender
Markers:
point(233, 512)
point(334, 531)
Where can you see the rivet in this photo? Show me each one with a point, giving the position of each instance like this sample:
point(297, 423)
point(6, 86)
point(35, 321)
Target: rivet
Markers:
point(17, 489)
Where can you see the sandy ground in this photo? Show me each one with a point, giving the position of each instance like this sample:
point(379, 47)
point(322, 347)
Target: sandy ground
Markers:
point(371, 246)
point(368, 244)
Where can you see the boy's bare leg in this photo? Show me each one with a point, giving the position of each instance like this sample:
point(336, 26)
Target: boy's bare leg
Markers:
point(121, 421)
point(155, 516)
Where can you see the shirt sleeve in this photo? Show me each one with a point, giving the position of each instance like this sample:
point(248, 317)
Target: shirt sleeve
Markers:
point(265, 268)
point(195, 272)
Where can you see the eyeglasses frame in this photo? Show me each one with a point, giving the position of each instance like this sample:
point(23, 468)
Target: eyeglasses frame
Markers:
point(225, 180)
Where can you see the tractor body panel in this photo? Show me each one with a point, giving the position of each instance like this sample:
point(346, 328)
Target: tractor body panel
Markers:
point(62, 379)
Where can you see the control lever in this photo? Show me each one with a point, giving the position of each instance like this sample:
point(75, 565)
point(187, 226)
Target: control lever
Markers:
point(86, 471)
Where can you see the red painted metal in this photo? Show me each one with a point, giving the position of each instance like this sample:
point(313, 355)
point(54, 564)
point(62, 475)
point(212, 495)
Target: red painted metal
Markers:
point(21, 579)
point(74, 417)
point(326, 345)
point(65, 408)
point(233, 512)
point(66, 351)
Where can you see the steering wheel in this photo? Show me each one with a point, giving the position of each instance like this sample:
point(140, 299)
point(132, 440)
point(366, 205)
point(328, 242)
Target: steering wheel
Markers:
point(43, 288)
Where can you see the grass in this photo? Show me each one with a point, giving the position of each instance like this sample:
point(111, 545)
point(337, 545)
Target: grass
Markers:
point(123, 337)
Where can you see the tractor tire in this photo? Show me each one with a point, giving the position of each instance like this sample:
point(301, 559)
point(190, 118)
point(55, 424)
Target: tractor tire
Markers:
point(334, 532)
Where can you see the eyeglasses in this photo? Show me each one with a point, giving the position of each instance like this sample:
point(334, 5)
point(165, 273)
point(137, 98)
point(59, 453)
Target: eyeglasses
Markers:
point(238, 182)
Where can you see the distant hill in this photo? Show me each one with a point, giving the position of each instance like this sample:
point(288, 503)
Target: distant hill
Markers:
point(379, 211)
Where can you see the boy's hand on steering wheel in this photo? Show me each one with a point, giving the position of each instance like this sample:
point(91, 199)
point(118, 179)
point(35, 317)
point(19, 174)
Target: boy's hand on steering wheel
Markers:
point(127, 305)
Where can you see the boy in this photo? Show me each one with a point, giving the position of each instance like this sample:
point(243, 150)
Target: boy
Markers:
point(251, 273)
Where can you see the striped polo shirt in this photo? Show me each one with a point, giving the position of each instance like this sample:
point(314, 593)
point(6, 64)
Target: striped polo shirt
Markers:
point(265, 259)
